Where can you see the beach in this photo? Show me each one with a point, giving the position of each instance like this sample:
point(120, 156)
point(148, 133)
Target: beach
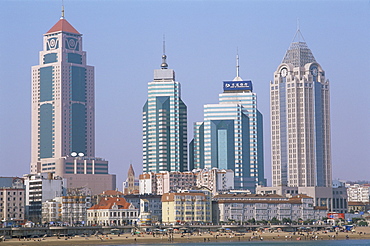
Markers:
point(359, 233)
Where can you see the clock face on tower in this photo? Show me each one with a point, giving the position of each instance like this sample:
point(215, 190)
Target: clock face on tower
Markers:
point(284, 72)
point(314, 71)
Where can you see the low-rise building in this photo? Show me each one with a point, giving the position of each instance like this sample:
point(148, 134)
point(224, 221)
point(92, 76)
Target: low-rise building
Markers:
point(12, 200)
point(153, 205)
point(187, 206)
point(164, 182)
point(243, 207)
point(358, 193)
point(40, 188)
point(52, 211)
point(111, 211)
point(217, 180)
point(358, 207)
point(340, 199)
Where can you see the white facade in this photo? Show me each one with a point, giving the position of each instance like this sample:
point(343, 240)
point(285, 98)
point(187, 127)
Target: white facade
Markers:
point(12, 204)
point(112, 211)
point(358, 193)
point(300, 121)
point(164, 182)
point(51, 211)
point(39, 189)
point(215, 179)
point(245, 207)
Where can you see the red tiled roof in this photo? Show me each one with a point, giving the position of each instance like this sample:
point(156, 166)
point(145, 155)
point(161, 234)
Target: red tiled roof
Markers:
point(108, 202)
point(64, 26)
point(111, 193)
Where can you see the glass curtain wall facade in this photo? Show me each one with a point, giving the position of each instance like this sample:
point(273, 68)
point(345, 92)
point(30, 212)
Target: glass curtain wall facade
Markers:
point(231, 135)
point(164, 124)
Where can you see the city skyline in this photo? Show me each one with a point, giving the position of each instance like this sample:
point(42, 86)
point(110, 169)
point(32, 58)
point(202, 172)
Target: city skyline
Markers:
point(202, 39)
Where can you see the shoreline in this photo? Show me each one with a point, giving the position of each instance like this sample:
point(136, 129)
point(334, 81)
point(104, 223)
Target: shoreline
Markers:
point(361, 233)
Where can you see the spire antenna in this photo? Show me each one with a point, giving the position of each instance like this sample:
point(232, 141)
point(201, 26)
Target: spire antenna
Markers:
point(62, 17)
point(298, 37)
point(237, 62)
point(164, 64)
point(237, 78)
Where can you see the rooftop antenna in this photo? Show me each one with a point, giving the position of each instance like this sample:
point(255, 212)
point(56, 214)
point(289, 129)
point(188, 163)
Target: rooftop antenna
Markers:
point(164, 64)
point(298, 35)
point(62, 17)
point(237, 62)
point(237, 78)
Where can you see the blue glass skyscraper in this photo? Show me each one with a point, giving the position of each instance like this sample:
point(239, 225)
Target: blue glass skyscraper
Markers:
point(231, 135)
point(164, 124)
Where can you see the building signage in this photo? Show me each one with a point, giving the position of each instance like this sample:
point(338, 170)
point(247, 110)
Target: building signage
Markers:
point(237, 85)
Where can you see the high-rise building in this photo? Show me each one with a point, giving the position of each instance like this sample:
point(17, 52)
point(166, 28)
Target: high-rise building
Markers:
point(231, 135)
point(300, 120)
point(164, 124)
point(63, 111)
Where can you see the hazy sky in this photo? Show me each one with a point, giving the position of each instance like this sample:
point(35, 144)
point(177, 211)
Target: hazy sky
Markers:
point(123, 40)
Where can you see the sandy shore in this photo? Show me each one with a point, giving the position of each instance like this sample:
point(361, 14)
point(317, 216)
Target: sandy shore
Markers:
point(361, 233)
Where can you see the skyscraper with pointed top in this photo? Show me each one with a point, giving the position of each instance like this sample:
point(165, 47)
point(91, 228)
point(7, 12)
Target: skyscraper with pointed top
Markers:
point(300, 120)
point(231, 135)
point(63, 112)
point(164, 124)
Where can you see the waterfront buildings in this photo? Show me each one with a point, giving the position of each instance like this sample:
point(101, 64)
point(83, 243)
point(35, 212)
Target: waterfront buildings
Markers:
point(358, 193)
point(216, 180)
point(63, 112)
point(70, 209)
point(41, 188)
point(188, 206)
point(231, 135)
point(164, 124)
point(112, 211)
point(150, 206)
point(51, 211)
point(243, 207)
point(164, 182)
point(12, 200)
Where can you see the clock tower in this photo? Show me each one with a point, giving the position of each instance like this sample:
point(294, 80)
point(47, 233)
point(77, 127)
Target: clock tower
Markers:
point(63, 112)
point(300, 120)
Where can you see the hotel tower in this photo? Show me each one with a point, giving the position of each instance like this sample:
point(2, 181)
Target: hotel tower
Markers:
point(164, 124)
point(63, 111)
point(231, 135)
point(300, 120)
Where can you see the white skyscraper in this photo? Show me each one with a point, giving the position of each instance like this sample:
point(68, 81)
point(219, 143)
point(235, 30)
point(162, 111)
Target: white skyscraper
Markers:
point(300, 120)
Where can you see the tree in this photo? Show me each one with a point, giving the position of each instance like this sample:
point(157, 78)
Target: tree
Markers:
point(251, 221)
point(287, 220)
point(275, 221)
point(362, 223)
point(355, 220)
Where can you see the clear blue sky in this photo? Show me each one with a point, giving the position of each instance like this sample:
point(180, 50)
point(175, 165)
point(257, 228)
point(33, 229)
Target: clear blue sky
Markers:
point(123, 40)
